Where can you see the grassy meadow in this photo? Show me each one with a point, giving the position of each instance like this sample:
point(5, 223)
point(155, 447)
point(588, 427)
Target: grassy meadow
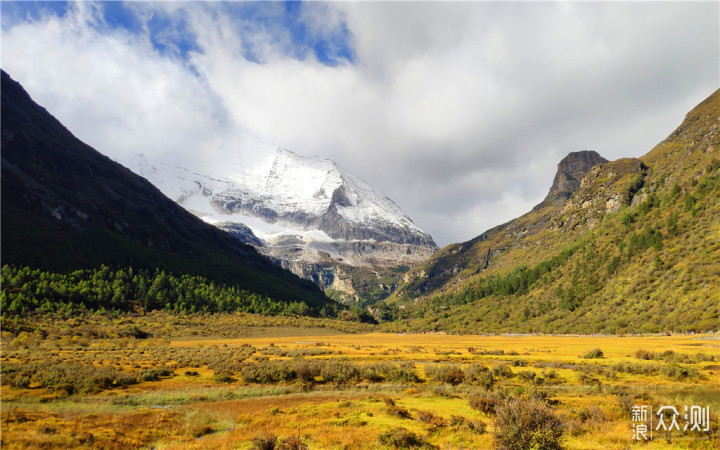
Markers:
point(324, 384)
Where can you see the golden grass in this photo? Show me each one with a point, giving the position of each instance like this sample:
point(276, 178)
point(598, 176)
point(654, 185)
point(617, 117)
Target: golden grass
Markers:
point(194, 411)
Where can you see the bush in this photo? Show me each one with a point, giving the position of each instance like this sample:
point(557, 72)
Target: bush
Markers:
point(625, 403)
point(678, 372)
point(292, 443)
point(476, 426)
point(486, 402)
point(394, 373)
point(268, 372)
point(479, 375)
point(527, 375)
point(223, 377)
point(403, 438)
point(434, 421)
point(340, 371)
point(445, 373)
point(306, 371)
point(502, 371)
point(401, 373)
point(264, 442)
point(67, 378)
point(644, 354)
point(395, 410)
point(154, 374)
point(594, 353)
point(523, 424)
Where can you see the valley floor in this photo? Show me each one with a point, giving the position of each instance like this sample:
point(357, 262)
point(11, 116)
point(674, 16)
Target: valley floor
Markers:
point(321, 388)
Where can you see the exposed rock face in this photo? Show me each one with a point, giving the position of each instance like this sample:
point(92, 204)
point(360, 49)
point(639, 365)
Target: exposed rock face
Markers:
point(330, 264)
point(242, 232)
point(571, 171)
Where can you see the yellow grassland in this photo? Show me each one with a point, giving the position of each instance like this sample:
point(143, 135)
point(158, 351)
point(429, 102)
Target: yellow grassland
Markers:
point(190, 409)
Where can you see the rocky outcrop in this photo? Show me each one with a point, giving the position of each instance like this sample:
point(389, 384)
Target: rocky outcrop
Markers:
point(570, 173)
point(242, 232)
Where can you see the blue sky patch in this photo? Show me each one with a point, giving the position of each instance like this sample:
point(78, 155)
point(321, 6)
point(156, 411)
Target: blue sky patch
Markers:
point(18, 12)
point(171, 34)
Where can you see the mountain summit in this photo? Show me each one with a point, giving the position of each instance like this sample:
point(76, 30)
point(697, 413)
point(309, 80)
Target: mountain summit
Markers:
point(571, 170)
point(309, 214)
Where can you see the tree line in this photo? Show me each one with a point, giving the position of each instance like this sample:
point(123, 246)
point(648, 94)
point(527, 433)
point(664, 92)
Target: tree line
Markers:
point(26, 290)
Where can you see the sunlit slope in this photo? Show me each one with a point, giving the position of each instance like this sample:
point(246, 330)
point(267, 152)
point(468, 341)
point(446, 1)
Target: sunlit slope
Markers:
point(635, 248)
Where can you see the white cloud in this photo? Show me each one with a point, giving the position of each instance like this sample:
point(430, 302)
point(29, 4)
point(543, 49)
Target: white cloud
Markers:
point(458, 111)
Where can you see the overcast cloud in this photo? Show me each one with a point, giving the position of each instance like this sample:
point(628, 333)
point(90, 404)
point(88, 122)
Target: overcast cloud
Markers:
point(459, 112)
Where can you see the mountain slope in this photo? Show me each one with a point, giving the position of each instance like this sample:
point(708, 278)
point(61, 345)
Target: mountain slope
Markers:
point(65, 206)
point(635, 247)
point(308, 214)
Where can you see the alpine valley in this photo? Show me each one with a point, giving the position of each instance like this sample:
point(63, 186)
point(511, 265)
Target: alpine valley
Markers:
point(308, 214)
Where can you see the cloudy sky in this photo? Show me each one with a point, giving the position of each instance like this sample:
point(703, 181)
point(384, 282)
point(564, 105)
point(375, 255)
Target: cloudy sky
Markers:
point(459, 112)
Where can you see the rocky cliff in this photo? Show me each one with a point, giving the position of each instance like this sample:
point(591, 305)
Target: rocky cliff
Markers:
point(570, 172)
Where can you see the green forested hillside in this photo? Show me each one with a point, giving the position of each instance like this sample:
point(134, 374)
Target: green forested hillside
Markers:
point(635, 249)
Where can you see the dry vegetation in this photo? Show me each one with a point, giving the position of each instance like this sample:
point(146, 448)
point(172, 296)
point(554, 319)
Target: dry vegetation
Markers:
point(74, 383)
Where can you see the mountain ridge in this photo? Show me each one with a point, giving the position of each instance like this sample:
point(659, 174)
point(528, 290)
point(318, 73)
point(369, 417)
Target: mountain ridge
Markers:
point(637, 236)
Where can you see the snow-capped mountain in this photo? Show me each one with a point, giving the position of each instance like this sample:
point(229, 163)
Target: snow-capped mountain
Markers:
point(309, 214)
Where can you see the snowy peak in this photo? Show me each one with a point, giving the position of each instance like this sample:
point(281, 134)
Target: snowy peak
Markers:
point(292, 194)
point(308, 214)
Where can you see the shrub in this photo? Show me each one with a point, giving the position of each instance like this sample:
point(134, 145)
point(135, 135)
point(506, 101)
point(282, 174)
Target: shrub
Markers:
point(527, 375)
point(293, 443)
point(401, 373)
point(306, 371)
point(625, 403)
point(476, 426)
point(644, 354)
point(268, 372)
point(678, 372)
point(154, 373)
point(434, 421)
point(340, 371)
point(264, 442)
point(402, 438)
point(445, 373)
point(384, 371)
point(70, 378)
point(395, 410)
point(592, 414)
point(223, 377)
point(502, 371)
point(479, 375)
point(523, 424)
point(486, 402)
point(594, 353)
